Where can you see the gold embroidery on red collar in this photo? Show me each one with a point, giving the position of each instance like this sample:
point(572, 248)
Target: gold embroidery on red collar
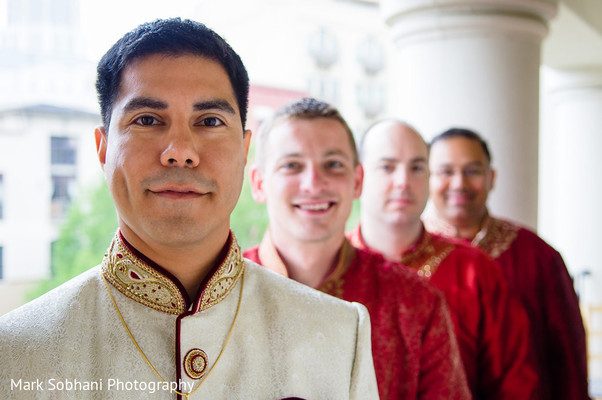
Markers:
point(140, 282)
point(497, 238)
point(427, 256)
point(333, 284)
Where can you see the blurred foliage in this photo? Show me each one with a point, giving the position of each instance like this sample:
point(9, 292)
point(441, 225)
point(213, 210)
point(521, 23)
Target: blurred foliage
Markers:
point(249, 219)
point(354, 217)
point(89, 226)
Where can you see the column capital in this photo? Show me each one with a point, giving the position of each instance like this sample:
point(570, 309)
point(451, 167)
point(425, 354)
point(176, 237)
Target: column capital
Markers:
point(576, 78)
point(419, 20)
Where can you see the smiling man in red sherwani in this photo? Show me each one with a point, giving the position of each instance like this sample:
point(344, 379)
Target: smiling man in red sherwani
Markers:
point(461, 181)
point(307, 171)
point(491, 326)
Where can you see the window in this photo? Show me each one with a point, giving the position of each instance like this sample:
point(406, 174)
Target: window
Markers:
point(324, 88)
point(63, 157)
point(63, 151)
point(62, 193)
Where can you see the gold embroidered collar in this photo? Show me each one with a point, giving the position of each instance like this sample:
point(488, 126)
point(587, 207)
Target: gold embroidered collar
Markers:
point(426, 255)
point(423, 257)
point(496, 236)
point(148, 284)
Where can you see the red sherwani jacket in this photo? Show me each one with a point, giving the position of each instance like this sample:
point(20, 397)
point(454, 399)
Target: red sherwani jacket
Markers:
point(491, 325)
point(414, 350)
point(537, 273)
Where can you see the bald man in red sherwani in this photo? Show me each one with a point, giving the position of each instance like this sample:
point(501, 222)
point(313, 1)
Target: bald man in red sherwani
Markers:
point(490, 323)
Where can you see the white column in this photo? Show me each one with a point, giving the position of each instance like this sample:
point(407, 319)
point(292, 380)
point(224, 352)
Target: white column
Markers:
point(571, 175)
point(475, 64)
point(571, 184)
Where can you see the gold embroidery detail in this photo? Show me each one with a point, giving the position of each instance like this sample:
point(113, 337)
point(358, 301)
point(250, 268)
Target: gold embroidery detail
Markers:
point(494, 238)
point(138, 281)
point(497, 238)
point(333, 285)
point(425, 259)
point(144, 284)
point(425, 271)
point(224, 279)
point(195, 363)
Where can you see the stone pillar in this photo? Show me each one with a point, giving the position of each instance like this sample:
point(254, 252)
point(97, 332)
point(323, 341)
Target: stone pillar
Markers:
point(475, 64)
point(571, 172)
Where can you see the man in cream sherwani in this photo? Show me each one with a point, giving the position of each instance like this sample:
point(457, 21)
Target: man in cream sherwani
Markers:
point(174, 311)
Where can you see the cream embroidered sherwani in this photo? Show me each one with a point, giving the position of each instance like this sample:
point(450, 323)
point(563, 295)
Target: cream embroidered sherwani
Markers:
point(287, 341)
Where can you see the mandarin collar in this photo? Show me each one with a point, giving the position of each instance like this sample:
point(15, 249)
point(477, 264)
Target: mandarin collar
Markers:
point(494, 237)
point(435, 224)
point(424, 256)
point(147, 283)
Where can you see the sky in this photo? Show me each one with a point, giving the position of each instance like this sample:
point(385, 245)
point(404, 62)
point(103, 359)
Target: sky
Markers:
point(105, 21)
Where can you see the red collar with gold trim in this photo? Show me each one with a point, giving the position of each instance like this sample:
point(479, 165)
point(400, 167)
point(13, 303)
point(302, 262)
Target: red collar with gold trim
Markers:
point(423, 257)
point(426, 255)
point(495, 236)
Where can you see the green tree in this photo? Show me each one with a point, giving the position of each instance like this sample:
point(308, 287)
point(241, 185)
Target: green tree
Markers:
point(249, 219)
point(84, 237)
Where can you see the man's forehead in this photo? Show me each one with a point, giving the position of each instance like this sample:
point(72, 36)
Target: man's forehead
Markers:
point(140, 73)
point(295, 130)
point(413, 149)
point(456, 143)
point(283, 145)
point(394, 133)
point(305, 153)
point(400, 157)
point(458, 148)
point(155, 58)
point(458, 163)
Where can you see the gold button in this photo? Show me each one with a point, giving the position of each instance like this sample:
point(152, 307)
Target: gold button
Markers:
point(195, 363)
